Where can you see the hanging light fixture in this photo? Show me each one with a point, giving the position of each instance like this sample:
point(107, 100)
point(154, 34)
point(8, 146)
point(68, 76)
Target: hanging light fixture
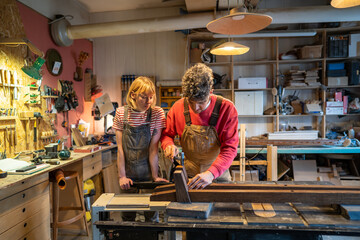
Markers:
point(229, 48)
point(238, 22)
point(344, 3)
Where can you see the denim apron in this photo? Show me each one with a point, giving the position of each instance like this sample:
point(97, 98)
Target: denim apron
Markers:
point(201, 144)
point(136, 142)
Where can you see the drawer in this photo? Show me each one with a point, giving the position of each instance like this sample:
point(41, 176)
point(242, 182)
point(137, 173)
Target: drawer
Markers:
point(41, 232)
point(90, 160)
point(92, 170)
point(26, 226)
point(20, 186)
point(22, 197)
point(24, 211)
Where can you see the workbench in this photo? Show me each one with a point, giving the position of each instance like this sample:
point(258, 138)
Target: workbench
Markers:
point(226, 221)
point(25, 199)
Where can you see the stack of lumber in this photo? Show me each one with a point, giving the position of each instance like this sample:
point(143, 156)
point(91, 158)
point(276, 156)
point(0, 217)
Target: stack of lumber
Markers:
point(294, 135)
point(302, 78)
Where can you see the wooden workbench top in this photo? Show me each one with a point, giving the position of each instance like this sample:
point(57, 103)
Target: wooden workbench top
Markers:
point(10, 180)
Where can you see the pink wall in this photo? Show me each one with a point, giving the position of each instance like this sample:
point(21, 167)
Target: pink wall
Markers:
point(38, 32)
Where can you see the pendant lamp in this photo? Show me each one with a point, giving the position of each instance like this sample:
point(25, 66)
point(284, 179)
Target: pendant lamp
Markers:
point(239, 22)
point(344, 3)
point(34, 70)
point(229, 48)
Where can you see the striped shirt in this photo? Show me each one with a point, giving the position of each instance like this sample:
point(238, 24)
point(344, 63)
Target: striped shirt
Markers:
point(136, 119)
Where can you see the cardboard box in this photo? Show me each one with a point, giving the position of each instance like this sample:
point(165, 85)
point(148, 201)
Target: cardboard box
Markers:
point(334, 110)
point(311, 51)
point(252, 83)
point(195, 55)
point(354, 45)
point(334, 104)
point(337, 81)
point(249, 103)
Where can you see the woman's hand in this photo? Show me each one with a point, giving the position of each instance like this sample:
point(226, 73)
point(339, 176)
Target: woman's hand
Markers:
point(125, 183)
point(171, 151)
point(201, 180)
point(158, 179)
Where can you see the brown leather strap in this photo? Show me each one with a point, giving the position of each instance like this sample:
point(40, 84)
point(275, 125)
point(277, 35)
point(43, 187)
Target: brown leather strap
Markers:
point(187, 112)
point(148, 118)
point(215, 114)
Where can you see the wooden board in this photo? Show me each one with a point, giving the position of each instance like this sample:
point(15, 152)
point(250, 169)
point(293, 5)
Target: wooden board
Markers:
point(223, 213)
point(264, 142)
point(323, 216)
point(194, 210)
point(285, 215)
point(128, 201)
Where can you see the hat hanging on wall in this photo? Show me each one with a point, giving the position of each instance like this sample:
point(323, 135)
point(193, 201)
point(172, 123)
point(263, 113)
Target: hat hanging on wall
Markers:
point(238, 22)
point(344, 3)
point(229, 48)
point(34, 70)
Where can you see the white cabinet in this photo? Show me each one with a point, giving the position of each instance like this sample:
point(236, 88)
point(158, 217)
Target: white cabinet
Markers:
point(249, 103)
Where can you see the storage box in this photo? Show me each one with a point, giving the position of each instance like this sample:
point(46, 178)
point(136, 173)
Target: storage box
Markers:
point(195, 55)
point(311, 51)
point(252, 83)
point(249, 103)
point(354, 45)
point(335, 110)
point(334, 104)
point(337, 81)
point(338, 46)
point(336, 66)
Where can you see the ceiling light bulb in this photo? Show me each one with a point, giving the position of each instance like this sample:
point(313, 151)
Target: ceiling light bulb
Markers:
point(238, 17)
point(229, 48)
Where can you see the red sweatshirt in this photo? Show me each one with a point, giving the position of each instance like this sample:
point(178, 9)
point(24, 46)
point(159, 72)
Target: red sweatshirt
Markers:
point(226, 127)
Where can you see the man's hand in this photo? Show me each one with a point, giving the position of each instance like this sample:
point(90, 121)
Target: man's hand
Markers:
point(201, 180)
point(171, 151)
point(158, 179)
point(125, 183)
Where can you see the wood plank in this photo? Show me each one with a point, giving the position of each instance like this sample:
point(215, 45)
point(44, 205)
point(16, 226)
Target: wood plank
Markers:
point(222, 213)
point(265, 196)
point(284, 215)
point(193, 210)
point(272, 163)
point(323, 216)
point(265, 142)
point(182, 194)
point(270, 186)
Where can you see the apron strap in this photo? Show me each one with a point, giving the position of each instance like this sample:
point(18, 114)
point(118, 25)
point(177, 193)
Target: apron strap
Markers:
point(215, 114)
point(187, 112)
point(126, 111)
point(148, 118)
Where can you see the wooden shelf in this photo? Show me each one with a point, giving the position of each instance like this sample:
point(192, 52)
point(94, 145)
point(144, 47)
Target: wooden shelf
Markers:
point(301, 60)
point(26, 119)
point(50, 96)
point(302, 88)
point(253, 89)
point(222, 90)
point(256, 116)
point(260, 62)
point(302, 115)
point(344, 86)
point(7, 118)
point(47, 137)
point(349, 114)
point(11, 85)
point(177, 97)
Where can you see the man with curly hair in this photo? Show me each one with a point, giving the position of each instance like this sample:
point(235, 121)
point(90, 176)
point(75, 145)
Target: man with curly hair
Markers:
point(208, 128)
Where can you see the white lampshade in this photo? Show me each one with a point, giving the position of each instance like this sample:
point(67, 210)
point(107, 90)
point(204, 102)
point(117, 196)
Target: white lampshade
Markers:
point(344, 3)
point(229, 48)
point(239, 23)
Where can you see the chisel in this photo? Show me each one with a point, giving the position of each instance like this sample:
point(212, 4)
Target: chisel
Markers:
point(15, 140)
point(35, 138)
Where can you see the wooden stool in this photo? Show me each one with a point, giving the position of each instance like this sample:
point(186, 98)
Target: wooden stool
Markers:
point(56, 208)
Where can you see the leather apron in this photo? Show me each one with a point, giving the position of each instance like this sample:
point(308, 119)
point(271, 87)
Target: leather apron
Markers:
point(201, 144)
point(135, 143)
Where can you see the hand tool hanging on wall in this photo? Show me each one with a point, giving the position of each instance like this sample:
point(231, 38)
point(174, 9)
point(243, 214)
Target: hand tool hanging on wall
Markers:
point(8, 77)
point(35, 137)
point(15, 139)
point(3, 80)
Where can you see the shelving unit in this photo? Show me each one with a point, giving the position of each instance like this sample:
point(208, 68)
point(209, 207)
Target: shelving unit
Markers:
point(268, 64)
point(168, 95)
